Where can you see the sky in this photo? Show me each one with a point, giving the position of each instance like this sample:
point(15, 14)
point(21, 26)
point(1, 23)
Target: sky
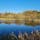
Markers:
point(19, 5)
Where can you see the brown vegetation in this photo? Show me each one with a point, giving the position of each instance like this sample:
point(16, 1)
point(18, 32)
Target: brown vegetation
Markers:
point(27, 17)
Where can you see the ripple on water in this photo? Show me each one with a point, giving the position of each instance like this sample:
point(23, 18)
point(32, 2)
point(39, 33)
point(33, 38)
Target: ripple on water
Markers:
point(17, 28)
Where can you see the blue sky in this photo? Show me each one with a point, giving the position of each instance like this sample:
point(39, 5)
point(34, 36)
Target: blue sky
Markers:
point(19, 5)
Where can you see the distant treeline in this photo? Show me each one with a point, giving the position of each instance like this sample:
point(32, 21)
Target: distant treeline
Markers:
point(27, 17)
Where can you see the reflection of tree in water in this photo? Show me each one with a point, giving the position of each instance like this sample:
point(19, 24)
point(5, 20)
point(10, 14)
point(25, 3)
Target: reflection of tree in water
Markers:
point(32, 22)
point(17, 21)
point(7, 22)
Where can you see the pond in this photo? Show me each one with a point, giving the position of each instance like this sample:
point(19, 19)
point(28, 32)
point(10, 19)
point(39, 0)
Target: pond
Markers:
point(7, 28)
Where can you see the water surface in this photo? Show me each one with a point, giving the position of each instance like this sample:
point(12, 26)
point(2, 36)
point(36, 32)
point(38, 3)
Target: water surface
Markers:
point(7, 28)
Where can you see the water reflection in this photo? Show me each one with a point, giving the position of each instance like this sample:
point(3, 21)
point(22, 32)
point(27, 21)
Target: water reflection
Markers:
point(6, 29)
point(9, 21)
point(12, 21)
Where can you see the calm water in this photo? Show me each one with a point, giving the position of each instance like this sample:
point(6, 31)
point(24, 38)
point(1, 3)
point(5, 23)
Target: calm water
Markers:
point(7, 28)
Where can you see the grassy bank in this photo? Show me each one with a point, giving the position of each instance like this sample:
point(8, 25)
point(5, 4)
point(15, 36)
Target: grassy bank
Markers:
point(27, 17)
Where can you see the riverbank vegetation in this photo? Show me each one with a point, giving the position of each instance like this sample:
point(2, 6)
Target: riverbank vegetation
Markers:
point(27, 17)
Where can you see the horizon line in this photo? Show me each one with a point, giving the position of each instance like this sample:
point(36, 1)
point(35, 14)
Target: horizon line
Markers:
point(17, 12)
